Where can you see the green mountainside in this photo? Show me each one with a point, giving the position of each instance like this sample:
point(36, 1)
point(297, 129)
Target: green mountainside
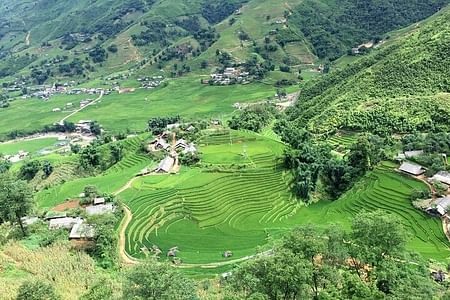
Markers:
point(333, 27)
point(47, 40)
point(400, 88)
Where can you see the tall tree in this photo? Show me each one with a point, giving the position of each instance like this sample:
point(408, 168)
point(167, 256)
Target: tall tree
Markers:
point(16, 199)
point(157, 281)
point(378, 235)
point(36, 290)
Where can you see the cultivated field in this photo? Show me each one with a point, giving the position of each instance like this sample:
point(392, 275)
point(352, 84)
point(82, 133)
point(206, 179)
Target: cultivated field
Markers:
point(183, 96)
point(108, 182)
point(238, 200)
point(31, 146)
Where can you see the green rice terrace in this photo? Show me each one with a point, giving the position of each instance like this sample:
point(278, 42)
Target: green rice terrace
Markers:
point(238, 200)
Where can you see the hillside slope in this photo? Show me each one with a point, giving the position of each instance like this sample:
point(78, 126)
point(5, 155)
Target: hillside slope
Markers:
point(402, 87)
point(55, 40)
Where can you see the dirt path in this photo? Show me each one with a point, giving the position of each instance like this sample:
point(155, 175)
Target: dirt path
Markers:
point(123, 226)
point(80, 109)
point(27, 39)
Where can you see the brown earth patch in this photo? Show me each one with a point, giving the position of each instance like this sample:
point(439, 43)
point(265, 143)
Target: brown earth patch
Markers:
point(67, 205)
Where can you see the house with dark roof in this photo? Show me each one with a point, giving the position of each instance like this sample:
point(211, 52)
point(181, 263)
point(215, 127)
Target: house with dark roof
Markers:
point(412, 169)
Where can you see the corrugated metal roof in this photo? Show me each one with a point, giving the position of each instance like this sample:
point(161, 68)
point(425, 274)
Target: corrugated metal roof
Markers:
point(411, 168)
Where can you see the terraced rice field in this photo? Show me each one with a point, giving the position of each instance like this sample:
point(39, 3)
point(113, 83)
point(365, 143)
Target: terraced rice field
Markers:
point(108, 182)
point(383, 189)
point(344, 140)
point(206, 211)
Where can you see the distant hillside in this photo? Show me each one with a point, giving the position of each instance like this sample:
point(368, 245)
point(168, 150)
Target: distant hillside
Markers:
point(333, 27)
point(401, 87)
point(44, 41)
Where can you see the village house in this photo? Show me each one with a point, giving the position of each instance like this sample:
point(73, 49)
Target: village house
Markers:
point(126, 90)
point(165, 165)
point(54, 215)
point(83, 103)
point(100, 200)
point(190, 128)
point(100, 209)
point(173, 126)
point(190, 149)
point(29, 220)
point(412, 169)
point(83, 126)
point(81, 230)
point(59, 223)
point(442, 205)
point(442, 177)
point(181, 145)
point(160, 144)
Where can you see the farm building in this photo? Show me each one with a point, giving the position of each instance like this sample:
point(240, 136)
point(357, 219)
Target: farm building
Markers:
point(160, 143)
point(29, 220)
point(66, 223)
point(412, 169)
point(100, 209)
point(442, 176)
point(100, 200)
point(181, 145)
point(190, 149)
point(165, 165)
point(173, 126)
point(413, 153)
point(55, 215)
point(81, 230)
point(443, 205)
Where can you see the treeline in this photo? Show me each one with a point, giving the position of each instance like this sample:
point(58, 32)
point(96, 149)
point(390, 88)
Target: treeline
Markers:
point(254, 117)
point(216, 11)
point(312, 164)
point(393, 89)
point(333, 28)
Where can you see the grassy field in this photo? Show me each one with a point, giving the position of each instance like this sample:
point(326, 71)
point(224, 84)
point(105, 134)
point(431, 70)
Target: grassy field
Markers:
point(31, 146)
point(208, 210)
point(184, 96)
point(33, 114)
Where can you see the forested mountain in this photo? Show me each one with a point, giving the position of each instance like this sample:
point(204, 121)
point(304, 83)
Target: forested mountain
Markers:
point(86, 39)
point(402, 87)
point(333, 27)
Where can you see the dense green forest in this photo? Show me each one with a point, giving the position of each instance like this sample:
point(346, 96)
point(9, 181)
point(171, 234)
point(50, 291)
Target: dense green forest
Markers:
point(333, 27)
point(400, 88)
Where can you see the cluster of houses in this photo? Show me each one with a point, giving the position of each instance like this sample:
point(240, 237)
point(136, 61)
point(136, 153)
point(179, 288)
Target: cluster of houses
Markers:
point(21, 155)
point(45, 92)
point(77, 226)
point(229, 76)
point(162, 143)
point(441, 205)
point(151, 82)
